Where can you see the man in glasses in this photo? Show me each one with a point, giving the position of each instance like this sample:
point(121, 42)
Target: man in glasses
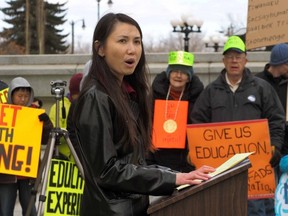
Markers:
point(238, 95)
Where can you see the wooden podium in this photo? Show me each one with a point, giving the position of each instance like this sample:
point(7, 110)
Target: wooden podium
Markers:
point(224, 194)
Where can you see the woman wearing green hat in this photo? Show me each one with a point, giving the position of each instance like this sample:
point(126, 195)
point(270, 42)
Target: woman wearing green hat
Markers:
point(178, 83)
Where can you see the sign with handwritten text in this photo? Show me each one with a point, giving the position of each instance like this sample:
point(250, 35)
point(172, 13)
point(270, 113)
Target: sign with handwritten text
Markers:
point(64, 190)
point(169, 124)
point(266, 23)
point(20, 139)
point(213, 143)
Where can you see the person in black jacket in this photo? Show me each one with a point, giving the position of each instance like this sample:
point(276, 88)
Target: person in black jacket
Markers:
point(238, 95)
point(113, 125)
point(276, 72)
point(177, 83)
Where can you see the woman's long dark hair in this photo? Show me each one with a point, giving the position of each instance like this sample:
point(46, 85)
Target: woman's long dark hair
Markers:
point(100, 73)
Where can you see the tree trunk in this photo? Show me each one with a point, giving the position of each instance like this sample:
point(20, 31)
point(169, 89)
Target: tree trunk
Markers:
point(27, 28)
point(40, 26)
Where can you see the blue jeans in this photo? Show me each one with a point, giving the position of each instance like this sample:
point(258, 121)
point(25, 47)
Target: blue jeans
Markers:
point(8, 195)
point(261, 207)
point(24, 188)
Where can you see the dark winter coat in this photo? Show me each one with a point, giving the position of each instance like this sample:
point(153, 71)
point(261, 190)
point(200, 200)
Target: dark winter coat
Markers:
point(117, 179)
point(280, 86)
point(175, 159)
point(254, 99)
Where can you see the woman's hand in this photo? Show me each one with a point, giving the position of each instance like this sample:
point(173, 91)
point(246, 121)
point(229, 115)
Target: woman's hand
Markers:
point(194, 177)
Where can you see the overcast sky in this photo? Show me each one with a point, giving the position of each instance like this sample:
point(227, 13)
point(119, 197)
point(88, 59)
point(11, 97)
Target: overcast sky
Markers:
point(154, 16)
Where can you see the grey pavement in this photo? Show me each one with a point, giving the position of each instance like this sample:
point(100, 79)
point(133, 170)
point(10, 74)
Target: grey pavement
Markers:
point(17, 209)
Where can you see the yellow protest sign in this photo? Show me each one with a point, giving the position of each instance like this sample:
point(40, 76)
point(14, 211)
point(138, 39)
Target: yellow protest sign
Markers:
point(212, 144)
point(20, 140)
point(4, 95)
point(64, 189)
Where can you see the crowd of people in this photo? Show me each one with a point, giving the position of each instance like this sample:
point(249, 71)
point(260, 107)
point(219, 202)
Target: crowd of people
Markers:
point(111, 114)
point(21, 93)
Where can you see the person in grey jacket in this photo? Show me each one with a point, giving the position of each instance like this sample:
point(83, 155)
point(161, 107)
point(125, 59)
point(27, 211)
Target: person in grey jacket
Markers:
point(237, 95)
point(113, 124)
point(20, 93)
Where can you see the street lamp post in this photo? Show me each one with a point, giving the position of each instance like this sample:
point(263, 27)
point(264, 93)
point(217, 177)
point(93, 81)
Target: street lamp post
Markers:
point(98, 5)
point(186, 25)
point(72, 26)
point(215, 42)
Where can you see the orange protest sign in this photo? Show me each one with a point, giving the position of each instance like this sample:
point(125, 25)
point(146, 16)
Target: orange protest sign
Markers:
point(20, 139)
point(213, 143)
point(169, 124)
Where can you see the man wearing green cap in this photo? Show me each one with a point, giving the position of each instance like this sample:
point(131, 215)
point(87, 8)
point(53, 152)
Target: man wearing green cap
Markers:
point(177, 83)
point(238, 95)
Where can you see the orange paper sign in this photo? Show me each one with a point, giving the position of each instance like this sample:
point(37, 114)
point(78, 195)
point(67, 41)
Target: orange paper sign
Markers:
point(169, 125)
point(214, 143)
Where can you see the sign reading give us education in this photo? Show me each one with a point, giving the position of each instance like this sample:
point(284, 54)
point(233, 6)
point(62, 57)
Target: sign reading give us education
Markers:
point(266, 23)
point(64, 189)
point(214, 143)
point(20, 140)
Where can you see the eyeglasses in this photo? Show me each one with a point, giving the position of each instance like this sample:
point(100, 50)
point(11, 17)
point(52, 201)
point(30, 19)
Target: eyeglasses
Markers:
point(237, 58)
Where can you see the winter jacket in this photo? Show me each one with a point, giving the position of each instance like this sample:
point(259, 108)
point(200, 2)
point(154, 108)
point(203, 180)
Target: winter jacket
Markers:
point(278, 83)
point(3, 85)
point(175, 159)
point(62, 119)
point(254, 99)
point(280, 86)
point(117, 179)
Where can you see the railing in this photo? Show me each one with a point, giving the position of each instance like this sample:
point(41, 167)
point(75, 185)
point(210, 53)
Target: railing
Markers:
point(39, 70)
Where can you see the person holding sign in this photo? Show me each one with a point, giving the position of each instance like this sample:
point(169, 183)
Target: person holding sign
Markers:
point(174, 91)
point(20, 93)
point(238, 95)
point(113, 126)
point(276, 73)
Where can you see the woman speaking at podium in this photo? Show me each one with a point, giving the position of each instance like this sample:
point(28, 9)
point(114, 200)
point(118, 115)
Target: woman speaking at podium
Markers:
point(113, 124)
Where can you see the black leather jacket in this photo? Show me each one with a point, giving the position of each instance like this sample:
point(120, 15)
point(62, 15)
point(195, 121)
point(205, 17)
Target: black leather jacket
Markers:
point(117, 180)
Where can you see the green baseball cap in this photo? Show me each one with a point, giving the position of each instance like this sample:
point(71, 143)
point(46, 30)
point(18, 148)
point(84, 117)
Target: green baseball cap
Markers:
point(181, 58)
point(234, 43)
